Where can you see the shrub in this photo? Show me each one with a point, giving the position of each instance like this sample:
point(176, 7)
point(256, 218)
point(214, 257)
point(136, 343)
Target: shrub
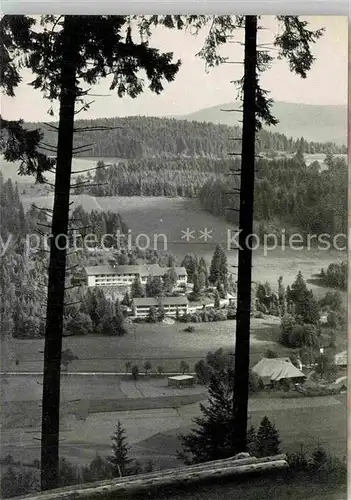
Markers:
point(184, 367)
point(336, 319)
point(18, 482)
point(261, 308)
point(202, 371)
point(98, 470)
point(255, 382)
point(189, 329)
point(219, 315)
point(135, 372)
point(297, 461)
point(270, 354)
point(231, 313)
point(194, 296)
point(258, 315)
point(325, 366)
point(68, 473)
point(147, 367)
point(321, 466)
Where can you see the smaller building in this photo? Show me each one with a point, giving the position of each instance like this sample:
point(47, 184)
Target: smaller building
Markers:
point(181, 381)
point(171, 305)
point(340, 359)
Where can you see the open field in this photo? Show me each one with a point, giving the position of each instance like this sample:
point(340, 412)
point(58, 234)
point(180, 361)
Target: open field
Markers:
point(160, 344)
point(153, 433)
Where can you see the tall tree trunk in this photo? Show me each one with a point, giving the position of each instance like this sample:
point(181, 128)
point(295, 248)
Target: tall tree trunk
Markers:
point(57, 265)
point(242, 344)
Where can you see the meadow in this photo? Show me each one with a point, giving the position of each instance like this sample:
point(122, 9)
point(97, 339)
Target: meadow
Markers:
point(165, 345)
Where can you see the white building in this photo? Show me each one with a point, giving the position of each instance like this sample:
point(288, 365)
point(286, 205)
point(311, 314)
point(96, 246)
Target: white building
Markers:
point(340, 359)
point(181, 381)
point(141, 306)
point(109, 275)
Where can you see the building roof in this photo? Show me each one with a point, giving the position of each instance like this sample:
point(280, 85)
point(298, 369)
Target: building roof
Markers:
point(152, 301)
point(141, 270)
point(341, 358)
point(276, 369)
point(181, 377)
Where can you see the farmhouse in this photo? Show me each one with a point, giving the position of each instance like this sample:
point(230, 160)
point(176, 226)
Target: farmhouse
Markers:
point(141, 307)
point(272, 370)
point(112, 275)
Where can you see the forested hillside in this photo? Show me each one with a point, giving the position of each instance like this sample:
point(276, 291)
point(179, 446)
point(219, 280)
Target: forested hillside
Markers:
point(142, 137)
point(324, 123)
point(23, 274)
point(286, 191)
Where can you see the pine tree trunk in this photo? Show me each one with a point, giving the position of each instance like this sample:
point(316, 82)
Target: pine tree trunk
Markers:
point(242, 344)
point(57, 265)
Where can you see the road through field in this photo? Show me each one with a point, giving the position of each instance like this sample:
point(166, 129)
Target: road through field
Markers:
point(153, 431)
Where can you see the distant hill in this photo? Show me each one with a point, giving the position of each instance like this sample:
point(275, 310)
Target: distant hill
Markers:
point(314, 123)
point(136, 137)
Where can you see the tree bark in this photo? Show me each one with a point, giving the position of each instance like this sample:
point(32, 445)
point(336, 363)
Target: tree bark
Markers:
point(242, 344)
point(57, 264)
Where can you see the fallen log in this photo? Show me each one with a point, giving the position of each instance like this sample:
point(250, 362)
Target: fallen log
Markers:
point(214, 464)
point(121, 487)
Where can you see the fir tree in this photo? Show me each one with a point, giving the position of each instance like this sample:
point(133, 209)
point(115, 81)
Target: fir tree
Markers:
point(267, 439)
point(117, 325)
point(190, 264)
point(137, 290)
point(251, 440)
point(152, 316)
point(161, 313)
point(177, 316)
point(219, 267)
point(196, 287)
point(211, 439)
point(126, 300)
point(170, 279)
point(282, 297)
point(119, 460)
point(217, 301)
point(154, 286)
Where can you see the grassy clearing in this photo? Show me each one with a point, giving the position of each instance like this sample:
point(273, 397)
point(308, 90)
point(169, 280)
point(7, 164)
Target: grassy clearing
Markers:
point(160, 344)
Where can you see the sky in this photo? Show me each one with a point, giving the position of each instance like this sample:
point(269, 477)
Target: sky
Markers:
point(194, 88)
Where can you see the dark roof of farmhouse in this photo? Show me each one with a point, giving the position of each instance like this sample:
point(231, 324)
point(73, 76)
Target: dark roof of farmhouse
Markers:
point(151, 301)
point(141, 270)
